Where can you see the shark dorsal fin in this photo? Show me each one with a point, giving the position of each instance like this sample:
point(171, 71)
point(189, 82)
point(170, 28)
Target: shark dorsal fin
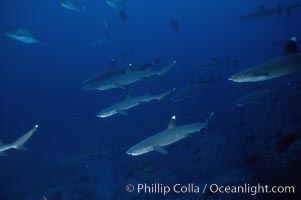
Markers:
point(172, 123)
point(129, 68)
point(291, 47)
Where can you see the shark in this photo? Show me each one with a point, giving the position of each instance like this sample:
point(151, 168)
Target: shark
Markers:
point(82, 156)
point(190, 91)
point(22, 35)
point(97, 79)
point(130, 102)
point(261, 13)
point(130, 76)
point(289, 62)
point(214, 62)
point(169, 136)
point(19, 143)
point(255, 97)
point(114, 70)
point(290, 8)
point(74, 5)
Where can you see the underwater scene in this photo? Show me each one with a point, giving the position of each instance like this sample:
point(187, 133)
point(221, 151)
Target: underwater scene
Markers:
point(150, 100)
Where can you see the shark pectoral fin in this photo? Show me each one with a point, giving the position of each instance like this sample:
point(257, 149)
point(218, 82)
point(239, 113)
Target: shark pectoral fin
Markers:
point(22, 148)
point(161, 150)
point(122, 112)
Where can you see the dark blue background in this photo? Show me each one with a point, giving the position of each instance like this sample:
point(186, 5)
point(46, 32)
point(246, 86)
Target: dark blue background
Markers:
point(40, 84)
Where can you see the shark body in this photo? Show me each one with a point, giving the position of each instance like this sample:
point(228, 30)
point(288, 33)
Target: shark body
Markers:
point(214, 62)
point(190, 91)
point(130, 102)
point(252, 98)
point(22, 35)
point(131, 76)
point(289, 62)
point(261, 13)
point(169, 136)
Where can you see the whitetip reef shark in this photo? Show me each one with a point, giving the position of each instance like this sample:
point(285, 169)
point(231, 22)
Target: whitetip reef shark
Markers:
point(289, 62)
point(169, 136)
point(130, 102)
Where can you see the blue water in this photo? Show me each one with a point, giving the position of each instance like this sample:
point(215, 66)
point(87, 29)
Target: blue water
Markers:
point(41, 84)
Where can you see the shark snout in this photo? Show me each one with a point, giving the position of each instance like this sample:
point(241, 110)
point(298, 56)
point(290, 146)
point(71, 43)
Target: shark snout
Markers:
point(129, 152)
point(231, 78)
point(234, 79)
point(100, 115)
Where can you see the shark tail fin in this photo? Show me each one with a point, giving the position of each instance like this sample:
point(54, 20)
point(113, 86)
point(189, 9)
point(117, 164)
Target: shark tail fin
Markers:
point(208, 119)
point(164, 94)
point(161, 72)
point(19, 143)
point(291, 47)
